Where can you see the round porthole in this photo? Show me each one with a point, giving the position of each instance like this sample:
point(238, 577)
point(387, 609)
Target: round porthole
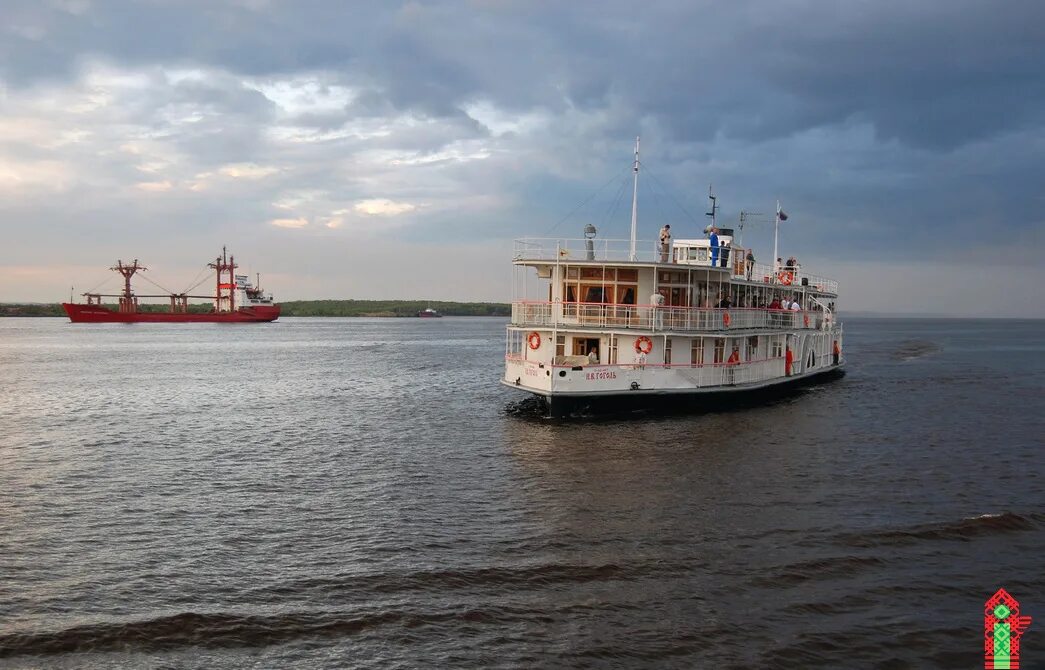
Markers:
point(562, 373)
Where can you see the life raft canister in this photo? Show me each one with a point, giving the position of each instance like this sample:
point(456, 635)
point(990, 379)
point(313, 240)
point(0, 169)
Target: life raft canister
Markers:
point(726, 319)
point(534, 340)
point(643, 344)
point(786, 277)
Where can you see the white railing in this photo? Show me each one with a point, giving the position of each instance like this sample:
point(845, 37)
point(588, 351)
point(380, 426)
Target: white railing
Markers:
point(566, 250)
point(656, 318)
point(580, 249)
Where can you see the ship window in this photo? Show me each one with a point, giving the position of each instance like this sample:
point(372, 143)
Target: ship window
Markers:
point(667, 351)
point(627, 275)
point(696, 352)
point(626, 295)
point(752, 348)
point(573, 273)
point(515, 343)
point(560, 345)
point(591, 273)
point(778, 349)
point(720, 347)
point(613, 350)
point(594, 294)
point(571, 295)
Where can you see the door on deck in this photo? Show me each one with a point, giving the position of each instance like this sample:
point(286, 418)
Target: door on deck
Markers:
point(582, 346)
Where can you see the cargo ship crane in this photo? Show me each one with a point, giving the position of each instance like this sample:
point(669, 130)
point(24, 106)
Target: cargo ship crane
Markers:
point(128, 303)
point(222, 264)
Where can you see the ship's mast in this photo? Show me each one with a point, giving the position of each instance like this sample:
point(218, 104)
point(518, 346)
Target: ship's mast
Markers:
point(714, 206)
point(224, 263)
point(127, 301)
point(635, 201)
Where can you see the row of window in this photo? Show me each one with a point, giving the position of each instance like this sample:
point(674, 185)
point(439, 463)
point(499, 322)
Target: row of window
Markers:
point(718, 351)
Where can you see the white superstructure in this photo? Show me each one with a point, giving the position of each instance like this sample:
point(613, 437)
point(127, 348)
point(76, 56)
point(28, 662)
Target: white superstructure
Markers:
point(615, 318)
point(250, 295)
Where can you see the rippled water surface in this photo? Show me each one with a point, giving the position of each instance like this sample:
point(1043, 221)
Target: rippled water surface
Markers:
point(330, 493)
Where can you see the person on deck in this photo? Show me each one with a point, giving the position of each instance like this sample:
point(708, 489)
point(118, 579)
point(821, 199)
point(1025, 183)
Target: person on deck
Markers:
point(731, 365)
point(593, 357)
point(665, 243)
point(713, 239)
point(656, 315)
point(724, 255)
point(789, 360)
point(750, 263)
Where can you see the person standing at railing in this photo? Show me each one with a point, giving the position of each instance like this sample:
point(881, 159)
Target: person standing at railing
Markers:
point(593, 357)
point(665, 243)
point(731, 365)
point(789, 360)
point(724, 255)
point(713, 241)
point(750, 263)
point(656, 317)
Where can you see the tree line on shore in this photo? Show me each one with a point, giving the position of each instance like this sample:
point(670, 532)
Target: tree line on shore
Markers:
point(387, 308)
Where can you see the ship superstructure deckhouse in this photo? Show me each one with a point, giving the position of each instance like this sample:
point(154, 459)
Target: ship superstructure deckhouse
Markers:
point(599, 319)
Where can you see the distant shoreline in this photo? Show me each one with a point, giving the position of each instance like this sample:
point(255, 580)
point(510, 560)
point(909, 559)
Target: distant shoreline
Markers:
point(346, 308)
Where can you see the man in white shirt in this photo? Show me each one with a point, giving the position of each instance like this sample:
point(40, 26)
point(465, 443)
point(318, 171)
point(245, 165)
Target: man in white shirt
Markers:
point(794, 305)
point(656, 316)
point(665, 243)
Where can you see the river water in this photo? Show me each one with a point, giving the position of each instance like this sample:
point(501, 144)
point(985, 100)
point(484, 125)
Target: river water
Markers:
point(331, 493)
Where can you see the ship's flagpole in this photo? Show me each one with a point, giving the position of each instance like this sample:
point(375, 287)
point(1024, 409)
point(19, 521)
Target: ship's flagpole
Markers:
point(635, 201)
point(776, 230)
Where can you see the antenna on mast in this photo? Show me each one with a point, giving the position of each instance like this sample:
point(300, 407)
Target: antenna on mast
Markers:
point(743, 217)
point(635, 201)
point(714, 206)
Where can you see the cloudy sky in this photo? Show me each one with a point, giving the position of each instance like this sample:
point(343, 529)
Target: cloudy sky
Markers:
point(394, 150)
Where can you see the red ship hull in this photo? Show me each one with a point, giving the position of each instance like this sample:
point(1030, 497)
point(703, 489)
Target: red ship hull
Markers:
point(98, 314)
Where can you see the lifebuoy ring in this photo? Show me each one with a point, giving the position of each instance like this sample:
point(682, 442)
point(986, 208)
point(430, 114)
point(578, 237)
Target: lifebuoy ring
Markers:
point(643, 344)
point(786, 277)
point(726, 319)
point(534, 340)
point(805, 320)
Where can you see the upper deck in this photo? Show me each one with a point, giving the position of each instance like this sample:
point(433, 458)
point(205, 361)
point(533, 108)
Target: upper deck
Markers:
point(684, 254)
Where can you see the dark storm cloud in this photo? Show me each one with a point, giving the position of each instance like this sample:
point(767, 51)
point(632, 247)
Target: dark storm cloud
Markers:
point(934, 74)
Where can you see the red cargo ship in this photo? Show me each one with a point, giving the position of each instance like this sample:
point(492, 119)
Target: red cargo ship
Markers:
point(236, 300)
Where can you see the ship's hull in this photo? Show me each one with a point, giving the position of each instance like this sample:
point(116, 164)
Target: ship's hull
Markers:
point(559, 405)
point(98, 314)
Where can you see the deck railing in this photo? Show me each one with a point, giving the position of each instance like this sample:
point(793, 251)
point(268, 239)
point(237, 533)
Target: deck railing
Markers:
point(612, 251)
point(658, 318)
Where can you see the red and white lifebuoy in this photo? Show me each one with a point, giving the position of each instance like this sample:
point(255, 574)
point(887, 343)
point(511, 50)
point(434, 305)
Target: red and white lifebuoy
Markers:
point(805, 320)
point(643, 344)
point(534, 340)
point(726, 319)
point(786, 277)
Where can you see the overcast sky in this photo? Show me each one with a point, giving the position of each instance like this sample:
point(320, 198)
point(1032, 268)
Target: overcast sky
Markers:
point(394, 150)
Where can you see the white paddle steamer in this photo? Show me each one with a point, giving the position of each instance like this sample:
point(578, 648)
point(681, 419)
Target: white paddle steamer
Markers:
point(690, 320)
